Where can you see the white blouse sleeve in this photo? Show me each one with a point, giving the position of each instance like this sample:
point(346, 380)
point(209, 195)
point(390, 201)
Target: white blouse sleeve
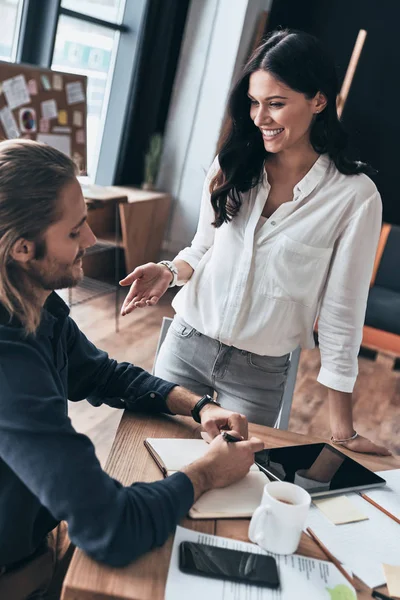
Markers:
point(343, 305)
point(204, 238)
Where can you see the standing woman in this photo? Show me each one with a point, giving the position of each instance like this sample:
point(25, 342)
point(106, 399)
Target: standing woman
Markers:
point(287, 234)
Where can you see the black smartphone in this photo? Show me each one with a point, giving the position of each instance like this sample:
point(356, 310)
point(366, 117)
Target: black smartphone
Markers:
point(223, 563)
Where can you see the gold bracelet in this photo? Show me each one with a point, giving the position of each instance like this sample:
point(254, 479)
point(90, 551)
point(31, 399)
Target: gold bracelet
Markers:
point(353, 437)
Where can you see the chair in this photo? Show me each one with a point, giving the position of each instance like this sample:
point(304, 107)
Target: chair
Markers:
point(382, 319)
point(282, 421)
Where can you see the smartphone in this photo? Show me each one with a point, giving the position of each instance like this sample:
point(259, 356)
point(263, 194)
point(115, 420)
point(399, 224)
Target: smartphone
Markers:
point(223, 563)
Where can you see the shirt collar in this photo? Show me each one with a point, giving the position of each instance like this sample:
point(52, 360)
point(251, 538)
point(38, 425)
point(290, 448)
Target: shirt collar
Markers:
point(310, 179)
point(54, 310)
point(314, 176)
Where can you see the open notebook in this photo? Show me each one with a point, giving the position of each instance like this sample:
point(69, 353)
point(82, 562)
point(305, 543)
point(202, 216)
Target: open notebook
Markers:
point(238, 500)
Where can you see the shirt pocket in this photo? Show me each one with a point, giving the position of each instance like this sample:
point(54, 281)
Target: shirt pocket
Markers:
point(295, 272)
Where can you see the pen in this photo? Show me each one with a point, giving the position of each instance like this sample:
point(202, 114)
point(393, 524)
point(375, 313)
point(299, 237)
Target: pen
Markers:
point(380, 595)
point(230, 438)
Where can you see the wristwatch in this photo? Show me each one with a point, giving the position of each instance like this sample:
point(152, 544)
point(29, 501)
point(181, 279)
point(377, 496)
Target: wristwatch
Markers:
point(199, 405)
point(172, 268)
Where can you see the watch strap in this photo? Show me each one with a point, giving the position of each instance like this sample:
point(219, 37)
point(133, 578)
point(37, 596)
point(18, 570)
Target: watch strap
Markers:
point(173, 270)
point(199, 405)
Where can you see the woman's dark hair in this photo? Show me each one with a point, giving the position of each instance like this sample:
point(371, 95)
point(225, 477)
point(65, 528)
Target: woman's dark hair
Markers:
point(298, 60)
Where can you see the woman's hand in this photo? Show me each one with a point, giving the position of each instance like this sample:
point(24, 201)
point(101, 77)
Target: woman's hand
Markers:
point(148, 283)
point(365, 446)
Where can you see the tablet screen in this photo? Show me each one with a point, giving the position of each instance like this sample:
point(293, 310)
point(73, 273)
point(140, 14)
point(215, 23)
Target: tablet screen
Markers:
point(318, 468)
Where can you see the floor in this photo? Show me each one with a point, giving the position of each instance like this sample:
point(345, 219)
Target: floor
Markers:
point(376, 396)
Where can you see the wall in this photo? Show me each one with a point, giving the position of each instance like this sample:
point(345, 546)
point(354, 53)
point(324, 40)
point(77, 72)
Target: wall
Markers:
point(217, 38)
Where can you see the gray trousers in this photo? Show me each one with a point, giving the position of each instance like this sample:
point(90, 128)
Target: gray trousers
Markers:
point(244, 382)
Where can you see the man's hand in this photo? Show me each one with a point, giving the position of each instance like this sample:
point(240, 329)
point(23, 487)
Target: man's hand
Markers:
point(223, 464)
point(214, 419)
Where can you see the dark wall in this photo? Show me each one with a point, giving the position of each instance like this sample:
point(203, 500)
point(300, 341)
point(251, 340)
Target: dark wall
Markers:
point(152, 85)
point(372, 112)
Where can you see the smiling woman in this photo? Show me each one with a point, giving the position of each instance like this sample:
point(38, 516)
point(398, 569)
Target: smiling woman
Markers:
point(287, 234)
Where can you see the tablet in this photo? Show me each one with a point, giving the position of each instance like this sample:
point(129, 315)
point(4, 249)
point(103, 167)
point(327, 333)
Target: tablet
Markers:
point(320, 469)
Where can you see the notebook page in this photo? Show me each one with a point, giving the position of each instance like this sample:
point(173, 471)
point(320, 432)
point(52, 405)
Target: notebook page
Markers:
point(176, 453)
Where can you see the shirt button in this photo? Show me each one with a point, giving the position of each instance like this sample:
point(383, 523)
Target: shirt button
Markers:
point(273, 222)
point(152, 395)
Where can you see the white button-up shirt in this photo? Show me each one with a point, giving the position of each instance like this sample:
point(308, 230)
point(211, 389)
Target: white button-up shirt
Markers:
point(262, 288)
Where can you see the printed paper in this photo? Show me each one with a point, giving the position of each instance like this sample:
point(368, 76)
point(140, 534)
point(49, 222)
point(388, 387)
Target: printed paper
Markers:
point(9, 124)
point(75, 92)
point(301, 578)
point(77, 118)
point(27, 120)
point(57, 82)
point(49, 109)
point(339, 510)
point(16, 91)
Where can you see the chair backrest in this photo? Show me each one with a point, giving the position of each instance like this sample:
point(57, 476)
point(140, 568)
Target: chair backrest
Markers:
point(166, 322)
point(282, 421)
point(388, 274)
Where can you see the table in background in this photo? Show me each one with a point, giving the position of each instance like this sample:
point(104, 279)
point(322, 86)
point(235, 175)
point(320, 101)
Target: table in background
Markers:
point(129, 461)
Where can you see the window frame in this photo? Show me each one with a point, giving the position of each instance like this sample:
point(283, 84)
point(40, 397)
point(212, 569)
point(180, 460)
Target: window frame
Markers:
point(36, 46)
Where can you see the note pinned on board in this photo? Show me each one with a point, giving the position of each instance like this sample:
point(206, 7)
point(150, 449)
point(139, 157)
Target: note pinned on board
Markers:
point(9, 123)
point(77, 118)
point(340, 510)
point(392, 576)
point(16, 91)
point(57, 82)
point(45, 82)
point(63, 117)
point(75, 92)
point(80, 136)
point(32, 87)
point(44, 125)
point(49, 109)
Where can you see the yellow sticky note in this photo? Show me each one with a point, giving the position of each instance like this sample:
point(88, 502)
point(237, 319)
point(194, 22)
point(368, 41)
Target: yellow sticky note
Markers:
point(63, 117)
point(340, 510)
point(392, 576)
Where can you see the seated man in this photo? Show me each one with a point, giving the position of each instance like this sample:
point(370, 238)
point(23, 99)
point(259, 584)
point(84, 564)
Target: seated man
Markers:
point(49, 473)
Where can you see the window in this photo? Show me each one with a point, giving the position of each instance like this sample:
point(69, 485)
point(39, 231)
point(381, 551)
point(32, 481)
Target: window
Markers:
point(87, 39)
point(10, 19)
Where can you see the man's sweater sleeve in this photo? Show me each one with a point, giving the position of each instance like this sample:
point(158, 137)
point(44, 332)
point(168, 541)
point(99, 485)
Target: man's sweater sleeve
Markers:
point(93, 375)
point(112, 523)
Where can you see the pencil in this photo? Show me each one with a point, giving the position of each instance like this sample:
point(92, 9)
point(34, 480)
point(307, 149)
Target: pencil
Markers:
point(378, 506)
point(330, 556)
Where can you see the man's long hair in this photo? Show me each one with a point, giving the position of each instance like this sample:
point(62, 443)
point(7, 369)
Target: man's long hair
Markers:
point(32, 176)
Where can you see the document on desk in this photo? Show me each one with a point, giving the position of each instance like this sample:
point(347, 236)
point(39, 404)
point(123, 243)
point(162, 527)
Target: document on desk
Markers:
point(389, 496)
point(300, 577)
point(364, 545)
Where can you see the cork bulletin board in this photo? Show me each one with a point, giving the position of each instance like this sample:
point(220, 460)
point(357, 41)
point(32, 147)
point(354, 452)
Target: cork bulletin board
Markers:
point(44, 105)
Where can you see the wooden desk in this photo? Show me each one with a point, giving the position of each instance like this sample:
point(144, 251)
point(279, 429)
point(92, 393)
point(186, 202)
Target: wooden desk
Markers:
point(129, 461)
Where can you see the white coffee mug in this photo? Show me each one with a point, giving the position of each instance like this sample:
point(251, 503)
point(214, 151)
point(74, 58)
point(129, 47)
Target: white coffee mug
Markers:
point(276, 525)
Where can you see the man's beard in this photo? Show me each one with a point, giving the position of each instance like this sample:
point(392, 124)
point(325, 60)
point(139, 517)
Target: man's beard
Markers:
point(51, 275)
